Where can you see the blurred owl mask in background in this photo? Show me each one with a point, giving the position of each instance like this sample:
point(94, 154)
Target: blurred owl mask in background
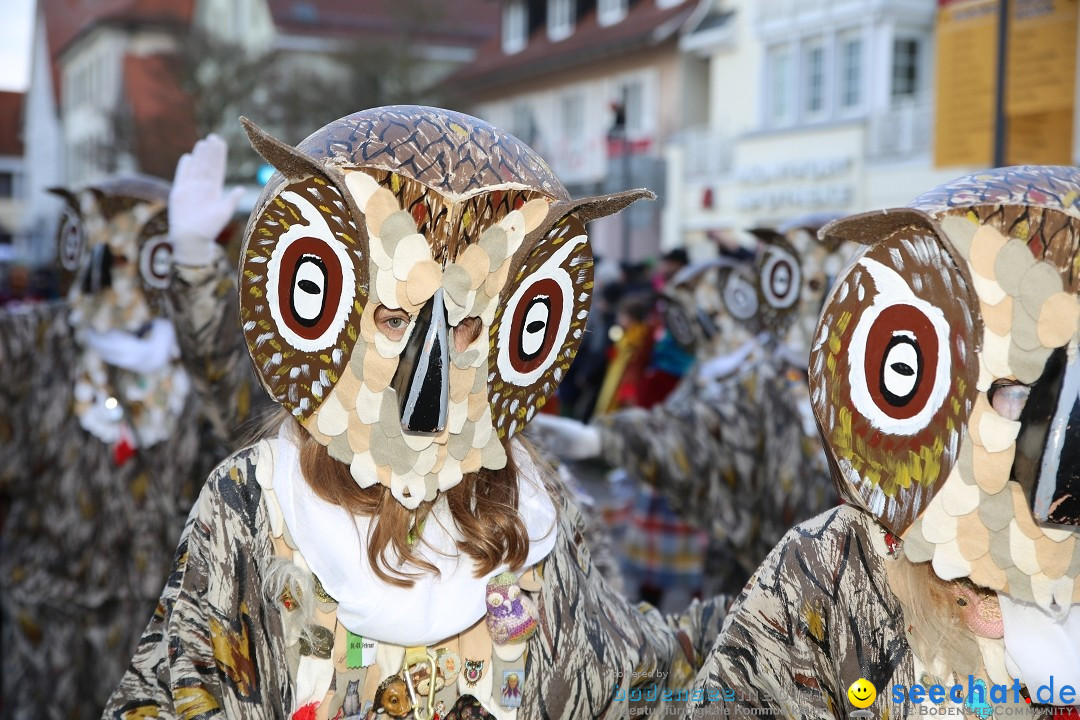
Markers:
point(945, 376)
point(114, 252)
point(414, 284)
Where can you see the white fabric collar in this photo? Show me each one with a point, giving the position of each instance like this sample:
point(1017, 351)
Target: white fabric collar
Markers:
point(1041, 649)
point(143, 355)
point(334, 545)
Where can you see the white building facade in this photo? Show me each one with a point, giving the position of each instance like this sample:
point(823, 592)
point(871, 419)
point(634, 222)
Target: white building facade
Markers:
point(816, 106)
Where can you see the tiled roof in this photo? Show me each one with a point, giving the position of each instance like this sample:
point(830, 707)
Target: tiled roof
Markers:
point(450, 22)
point(163, 115)
point(11, 104)
point(645, 25)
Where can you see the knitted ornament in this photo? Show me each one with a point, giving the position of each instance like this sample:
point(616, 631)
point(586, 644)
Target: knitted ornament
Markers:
point(511, 615)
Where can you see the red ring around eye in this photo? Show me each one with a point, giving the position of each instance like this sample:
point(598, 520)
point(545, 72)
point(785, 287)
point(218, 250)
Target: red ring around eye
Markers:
point(546, 297)
point(901, 361)
point(309, 254)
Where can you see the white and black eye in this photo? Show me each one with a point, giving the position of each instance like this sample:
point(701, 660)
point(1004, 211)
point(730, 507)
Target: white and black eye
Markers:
point(900, 365)
point(310, 281)
point(780, 278)
point(70, 241)
point(308, 295)
point(901, 370)
point(740, 298)
point(155, 261)
point(534, 334)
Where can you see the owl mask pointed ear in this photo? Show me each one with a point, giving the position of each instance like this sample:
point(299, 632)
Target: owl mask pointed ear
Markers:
point(894, 364)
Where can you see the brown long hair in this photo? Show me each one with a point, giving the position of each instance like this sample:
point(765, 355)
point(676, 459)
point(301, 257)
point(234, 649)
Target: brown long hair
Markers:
point(484, 506)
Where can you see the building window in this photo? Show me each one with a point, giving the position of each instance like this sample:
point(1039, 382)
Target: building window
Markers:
point(851, 73)
point(610, 12)
point(560, 20)
point(522, 123)
point(907, 69)
point(814, 67)
point(780, 69)
point(7, 185)
point(573, 116)
point(515, 24)
point(632, 104)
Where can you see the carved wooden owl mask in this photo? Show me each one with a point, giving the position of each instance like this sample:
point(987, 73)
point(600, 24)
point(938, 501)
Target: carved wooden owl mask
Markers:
point(114, 252)
point(945, 376)
point(414, 285)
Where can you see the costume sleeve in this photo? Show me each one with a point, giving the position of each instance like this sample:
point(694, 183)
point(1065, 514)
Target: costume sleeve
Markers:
point(211, 645)
point(212, 345)
point(595, 653)
point(696, 447)
point(816, 616)
point(32, 339)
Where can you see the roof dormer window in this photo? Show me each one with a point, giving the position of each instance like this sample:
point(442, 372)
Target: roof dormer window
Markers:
point(515, 25)
point(610, 12)
point(560, 19)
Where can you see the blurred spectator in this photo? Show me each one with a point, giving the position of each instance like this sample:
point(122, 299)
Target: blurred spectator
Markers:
point(633, 340)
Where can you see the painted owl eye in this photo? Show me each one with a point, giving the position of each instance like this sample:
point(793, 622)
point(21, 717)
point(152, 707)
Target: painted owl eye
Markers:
point(155, 261)
point(70, 241)
point(900, 364)
point(740, 298)
point(310, 282)
point(539, 314)
point(780, 278)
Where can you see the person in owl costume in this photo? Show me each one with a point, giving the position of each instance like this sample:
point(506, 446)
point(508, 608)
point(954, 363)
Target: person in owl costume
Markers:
point(944, 378)
point(734, 448)
point(413, 286)
point(103, 436)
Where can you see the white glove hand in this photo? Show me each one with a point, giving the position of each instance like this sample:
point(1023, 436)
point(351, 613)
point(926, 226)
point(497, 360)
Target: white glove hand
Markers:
point(564, 437)
point(199, 207)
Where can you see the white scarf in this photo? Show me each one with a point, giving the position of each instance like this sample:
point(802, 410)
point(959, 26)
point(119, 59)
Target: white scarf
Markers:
point(143, 355)
point(334, 545)
point(1040, 649)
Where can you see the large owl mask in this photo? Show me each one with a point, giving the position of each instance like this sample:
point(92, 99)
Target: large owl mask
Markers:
point(114, 252)
point(945, 376)
point(414, 285)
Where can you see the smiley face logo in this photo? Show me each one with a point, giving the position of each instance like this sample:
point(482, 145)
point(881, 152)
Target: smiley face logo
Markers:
point(862, 693)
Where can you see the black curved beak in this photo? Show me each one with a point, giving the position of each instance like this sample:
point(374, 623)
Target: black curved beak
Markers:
point(98, 274)
point(421, 380)
point(1047, 463)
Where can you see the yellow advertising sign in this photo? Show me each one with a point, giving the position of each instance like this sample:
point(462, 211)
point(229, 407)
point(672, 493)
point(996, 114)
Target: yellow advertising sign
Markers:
point(1041, 81)
point(965, 76)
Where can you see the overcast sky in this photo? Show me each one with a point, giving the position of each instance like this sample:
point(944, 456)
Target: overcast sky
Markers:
point(16, 29)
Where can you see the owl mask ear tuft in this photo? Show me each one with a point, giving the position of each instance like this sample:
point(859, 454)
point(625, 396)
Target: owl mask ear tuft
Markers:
point(870, 227)
point(593, 208)
point(286, 159)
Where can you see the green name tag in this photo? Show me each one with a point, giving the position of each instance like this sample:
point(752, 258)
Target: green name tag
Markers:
point(358, 651)
point(354, 653)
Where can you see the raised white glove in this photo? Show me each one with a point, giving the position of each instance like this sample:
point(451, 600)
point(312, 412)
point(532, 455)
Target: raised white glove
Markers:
point(565, 437)
point(199, 207)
